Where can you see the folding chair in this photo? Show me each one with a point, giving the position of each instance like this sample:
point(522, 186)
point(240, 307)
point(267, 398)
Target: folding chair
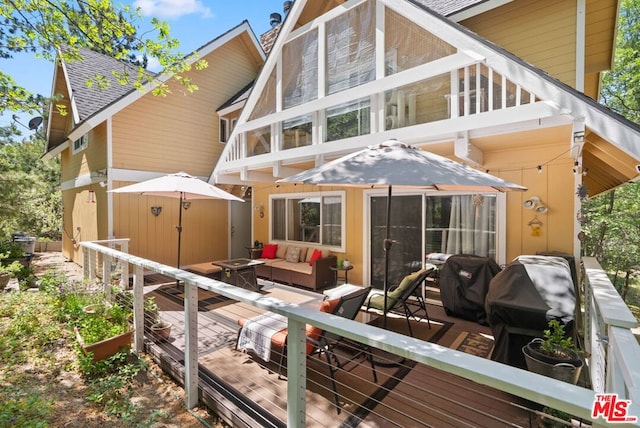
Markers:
point(399, 295)
point(321, 342)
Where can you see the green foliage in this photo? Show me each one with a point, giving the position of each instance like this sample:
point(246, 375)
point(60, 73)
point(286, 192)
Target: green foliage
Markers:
point(621, 85)
point(24, 409)
point(110, 322)
point(31, 199)
point(555, 342)
point(41, 28)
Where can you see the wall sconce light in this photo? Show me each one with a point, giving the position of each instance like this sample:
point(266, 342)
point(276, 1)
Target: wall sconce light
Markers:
point(186, 204)
point(91, 197)
point(156, 211)
point(534, 203)
point(260, 208)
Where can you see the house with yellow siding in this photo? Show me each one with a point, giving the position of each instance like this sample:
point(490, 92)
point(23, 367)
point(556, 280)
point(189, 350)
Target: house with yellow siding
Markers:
point(114, 136)
point(506, 86)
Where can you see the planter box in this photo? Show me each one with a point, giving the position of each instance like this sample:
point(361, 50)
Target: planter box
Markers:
point(44, 246)
point(108, 347)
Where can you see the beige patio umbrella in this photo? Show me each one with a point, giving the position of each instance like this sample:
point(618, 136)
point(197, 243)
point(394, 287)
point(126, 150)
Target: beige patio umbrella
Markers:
point(395, 164)
point(179, 185)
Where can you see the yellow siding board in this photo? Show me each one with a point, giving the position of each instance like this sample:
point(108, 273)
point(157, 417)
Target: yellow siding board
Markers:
point(180, 131)
point(204, 236)
point(541, 32)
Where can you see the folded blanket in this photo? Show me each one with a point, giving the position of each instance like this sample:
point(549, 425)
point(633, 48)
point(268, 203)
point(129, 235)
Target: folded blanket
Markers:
point(257, 332)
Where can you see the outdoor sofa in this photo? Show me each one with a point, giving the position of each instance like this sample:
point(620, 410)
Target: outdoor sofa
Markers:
point(294, 264)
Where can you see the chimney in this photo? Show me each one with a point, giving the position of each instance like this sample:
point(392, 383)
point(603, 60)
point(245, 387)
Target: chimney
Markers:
point(286, 7)
point(275, 20)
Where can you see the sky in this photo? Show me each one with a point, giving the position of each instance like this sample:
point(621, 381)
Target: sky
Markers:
point(193, 22)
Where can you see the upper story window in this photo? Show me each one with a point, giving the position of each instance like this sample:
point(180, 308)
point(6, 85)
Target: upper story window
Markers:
point(80, 144)
point(224, 130)
point(312, 217)
point(226, 127)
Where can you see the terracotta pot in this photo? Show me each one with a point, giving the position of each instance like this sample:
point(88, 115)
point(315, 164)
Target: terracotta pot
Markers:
point(106, 348)
point(161, 330)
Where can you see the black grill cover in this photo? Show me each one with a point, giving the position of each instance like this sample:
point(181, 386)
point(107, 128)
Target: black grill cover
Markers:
point(523, 298)
point(464, 281)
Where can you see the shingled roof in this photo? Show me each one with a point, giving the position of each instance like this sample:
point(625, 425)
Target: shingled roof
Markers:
point(448, 7)
point(90, 98)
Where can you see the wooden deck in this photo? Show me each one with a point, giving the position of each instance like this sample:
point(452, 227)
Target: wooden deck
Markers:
point(249, 392)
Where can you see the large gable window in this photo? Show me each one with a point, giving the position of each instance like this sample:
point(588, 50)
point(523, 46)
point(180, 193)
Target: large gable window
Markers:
point(351, 48)
point(300, 76)
point(308, 218)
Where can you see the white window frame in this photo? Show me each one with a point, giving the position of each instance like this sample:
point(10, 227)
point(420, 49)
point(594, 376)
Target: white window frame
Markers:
point(341, 194)
point(80, 144)
point(223, 130)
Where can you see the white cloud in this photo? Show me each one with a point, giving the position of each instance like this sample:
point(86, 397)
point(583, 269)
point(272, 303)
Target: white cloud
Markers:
point(171, 9)
point(153, 65)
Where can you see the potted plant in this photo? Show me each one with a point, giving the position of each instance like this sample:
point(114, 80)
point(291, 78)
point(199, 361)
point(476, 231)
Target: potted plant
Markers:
point(104, 333)
point(8, 271)
point(555, 355)
point(13, 251)
point(161, 330)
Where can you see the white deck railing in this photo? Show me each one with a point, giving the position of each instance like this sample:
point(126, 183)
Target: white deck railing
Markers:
point(615, 365)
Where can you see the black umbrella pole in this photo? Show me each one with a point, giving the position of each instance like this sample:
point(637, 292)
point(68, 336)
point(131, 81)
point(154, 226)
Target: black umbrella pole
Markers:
point(387, 247)
point(179, 227)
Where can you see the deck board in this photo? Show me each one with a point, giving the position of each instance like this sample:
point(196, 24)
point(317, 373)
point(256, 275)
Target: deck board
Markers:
point(418, 395)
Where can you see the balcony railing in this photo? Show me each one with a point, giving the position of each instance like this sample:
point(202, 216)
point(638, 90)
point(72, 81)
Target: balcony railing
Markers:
point(613, 360)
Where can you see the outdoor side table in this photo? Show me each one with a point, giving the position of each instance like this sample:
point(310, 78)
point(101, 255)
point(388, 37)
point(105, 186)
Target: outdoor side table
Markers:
point(240, 272)
point(344, 269)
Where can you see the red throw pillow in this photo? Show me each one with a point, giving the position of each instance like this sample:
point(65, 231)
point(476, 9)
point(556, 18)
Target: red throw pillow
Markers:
point(269, 251)
point(317, 255)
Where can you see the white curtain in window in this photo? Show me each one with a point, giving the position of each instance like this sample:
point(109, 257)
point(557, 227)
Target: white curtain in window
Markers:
point(470, 228)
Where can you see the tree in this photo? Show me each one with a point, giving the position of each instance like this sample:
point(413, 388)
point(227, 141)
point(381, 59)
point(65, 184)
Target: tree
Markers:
point(613, 219)
point(30, 200)
point(44, 27)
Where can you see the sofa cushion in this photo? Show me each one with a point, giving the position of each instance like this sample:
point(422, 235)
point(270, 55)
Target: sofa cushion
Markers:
point(269, 251)
point(294, 267)
point(270, 262)
point(293, 254)
point(303, 254)
point(281, 253)
point(317, 255)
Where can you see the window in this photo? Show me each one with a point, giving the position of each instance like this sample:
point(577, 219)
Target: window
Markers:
point(308, 218)
point(224, 130)
point(349, 120)
point(81, 143)
point(430, 223)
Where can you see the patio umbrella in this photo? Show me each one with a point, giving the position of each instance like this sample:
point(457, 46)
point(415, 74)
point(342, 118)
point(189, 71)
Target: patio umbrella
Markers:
point(395, 164)
point(179, 185)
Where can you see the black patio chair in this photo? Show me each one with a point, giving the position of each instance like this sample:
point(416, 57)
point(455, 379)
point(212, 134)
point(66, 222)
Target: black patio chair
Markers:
point(398, 296)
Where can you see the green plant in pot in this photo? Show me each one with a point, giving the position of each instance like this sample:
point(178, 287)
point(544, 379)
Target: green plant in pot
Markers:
point(104, 333)
point(9, 271)
point(555, 355)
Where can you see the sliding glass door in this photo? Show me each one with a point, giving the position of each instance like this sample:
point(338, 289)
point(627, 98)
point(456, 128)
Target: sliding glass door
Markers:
point(430, 223)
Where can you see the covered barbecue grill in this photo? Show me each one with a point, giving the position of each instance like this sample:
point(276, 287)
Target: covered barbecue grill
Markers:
point(523, 298)
point(464, 281)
